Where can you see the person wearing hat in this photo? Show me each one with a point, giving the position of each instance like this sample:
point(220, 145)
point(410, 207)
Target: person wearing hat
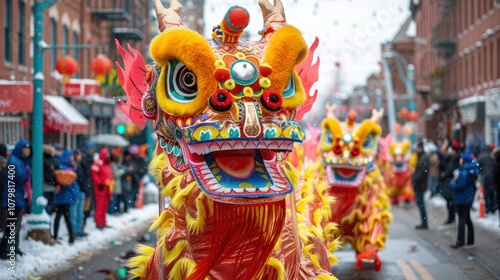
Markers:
point(18, 187)
point(464, 190)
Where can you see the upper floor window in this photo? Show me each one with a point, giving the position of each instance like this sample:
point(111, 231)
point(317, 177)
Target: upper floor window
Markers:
point(75, 49)
point(65, 39)
point(7, 31)
point(21, 40)
point(53, 32)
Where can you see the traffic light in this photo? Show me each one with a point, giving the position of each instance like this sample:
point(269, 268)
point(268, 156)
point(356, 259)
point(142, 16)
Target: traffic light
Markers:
point(121, 129)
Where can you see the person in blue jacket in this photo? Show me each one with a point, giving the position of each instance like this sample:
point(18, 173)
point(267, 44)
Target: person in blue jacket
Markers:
point(14, 202)
point(464, 190)
point(64, 197)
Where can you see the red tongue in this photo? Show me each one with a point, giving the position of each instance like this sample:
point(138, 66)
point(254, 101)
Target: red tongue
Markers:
point(346, 172)
point(240, 166)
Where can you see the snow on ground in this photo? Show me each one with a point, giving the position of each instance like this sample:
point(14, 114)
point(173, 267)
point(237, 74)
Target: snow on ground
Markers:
point(42, 258)
point(490, 222)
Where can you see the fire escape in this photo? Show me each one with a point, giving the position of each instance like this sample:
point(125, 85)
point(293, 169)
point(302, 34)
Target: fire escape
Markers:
point(443, 42)
point(127, 21)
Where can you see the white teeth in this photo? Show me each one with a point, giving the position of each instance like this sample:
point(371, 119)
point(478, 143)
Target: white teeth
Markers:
point(264, 189)
point(276, 188)
point(212, 181)
point(273, 146)
point(205, 170)
point(238, 145)
point(238, 190)
point(215, 187)
point(226, 190)
point(250, 189)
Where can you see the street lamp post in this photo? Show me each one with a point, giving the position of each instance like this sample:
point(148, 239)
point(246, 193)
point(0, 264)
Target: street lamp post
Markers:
point(37, 129)
point(39, 46)
point(408, 79)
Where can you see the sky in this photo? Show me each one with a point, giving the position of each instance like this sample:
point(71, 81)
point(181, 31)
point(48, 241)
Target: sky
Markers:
point(350, 32)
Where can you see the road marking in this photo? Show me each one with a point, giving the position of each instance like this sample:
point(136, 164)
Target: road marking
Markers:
point(405, 268)
point(421, 270)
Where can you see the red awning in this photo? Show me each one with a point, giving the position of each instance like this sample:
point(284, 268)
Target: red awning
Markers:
point(16, 96)
point(60, 115)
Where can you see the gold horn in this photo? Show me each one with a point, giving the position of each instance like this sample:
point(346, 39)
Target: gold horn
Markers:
point(330, 110)
point(377, 115)
point(168, 18)
point(274, 16)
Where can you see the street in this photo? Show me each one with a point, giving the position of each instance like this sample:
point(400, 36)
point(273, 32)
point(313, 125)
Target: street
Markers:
point(410, 254)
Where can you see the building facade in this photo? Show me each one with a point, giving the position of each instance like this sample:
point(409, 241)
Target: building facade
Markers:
point(82, 29)
point(458, 68)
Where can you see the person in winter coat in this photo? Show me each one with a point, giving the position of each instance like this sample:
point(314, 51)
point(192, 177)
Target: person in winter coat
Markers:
point(102, 179)
point(419, 182)
point(486, 163)
point(64, 197)
point(449, 164)
point(496, 175)
point(15, 196)
point(464, 190)
point(85, 179)
point(118, 196)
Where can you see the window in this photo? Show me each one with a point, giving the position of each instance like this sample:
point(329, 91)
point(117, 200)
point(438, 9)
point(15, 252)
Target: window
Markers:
point(75, 50)
point(7, 29)
point(21, 41)
point(65, 39)
point(53, 32)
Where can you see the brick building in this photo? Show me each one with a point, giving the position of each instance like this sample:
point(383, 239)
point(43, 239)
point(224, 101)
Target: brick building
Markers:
point(457, 62)
point(75, 22)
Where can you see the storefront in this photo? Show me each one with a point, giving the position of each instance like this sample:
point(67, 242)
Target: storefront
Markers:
point(16, 105)
point(472, 116)
point(62, 122)
point(99, 111)
point(492, 120)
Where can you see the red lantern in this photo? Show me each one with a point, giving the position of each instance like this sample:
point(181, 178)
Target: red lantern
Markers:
point(66, 66)
point(337, 64)
point(101, 66)
point(413, 116)
point(404, 113)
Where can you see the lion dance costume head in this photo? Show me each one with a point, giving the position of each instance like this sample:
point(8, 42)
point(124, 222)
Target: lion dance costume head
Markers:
point(347, 160)
point(224, 111)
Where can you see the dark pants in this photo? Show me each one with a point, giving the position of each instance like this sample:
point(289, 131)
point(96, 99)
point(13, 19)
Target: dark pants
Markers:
point(463, 220)
point(490, 199)
point(11, 227)
point(451, 211)
point(114, 205)
point(63, 210)
point(419, 199)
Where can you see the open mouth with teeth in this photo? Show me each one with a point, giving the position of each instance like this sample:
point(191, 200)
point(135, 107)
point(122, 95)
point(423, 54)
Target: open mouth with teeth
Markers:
point(243, 168)
point(345, 175)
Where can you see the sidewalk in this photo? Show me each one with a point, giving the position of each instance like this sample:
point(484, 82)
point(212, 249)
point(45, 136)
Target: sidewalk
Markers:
point(40, 259)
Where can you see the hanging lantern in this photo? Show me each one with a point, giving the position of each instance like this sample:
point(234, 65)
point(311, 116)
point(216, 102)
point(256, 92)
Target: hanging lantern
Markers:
point(25, 120)
point(66, 66)
point(413, 116)
point(101, 66)
point(337, 64)
point(404, 113)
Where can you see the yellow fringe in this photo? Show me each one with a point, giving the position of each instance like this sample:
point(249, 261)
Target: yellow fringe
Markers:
point(181, 269)
point(278, 265)
point(139, 263)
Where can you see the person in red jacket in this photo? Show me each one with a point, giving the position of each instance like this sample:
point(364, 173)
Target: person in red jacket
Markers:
point(102, 179)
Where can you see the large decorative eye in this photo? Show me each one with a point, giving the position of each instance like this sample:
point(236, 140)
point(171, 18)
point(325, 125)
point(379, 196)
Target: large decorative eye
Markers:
point(289, 90)
point(181, 83)
point(327, 139)
point(369, 142)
